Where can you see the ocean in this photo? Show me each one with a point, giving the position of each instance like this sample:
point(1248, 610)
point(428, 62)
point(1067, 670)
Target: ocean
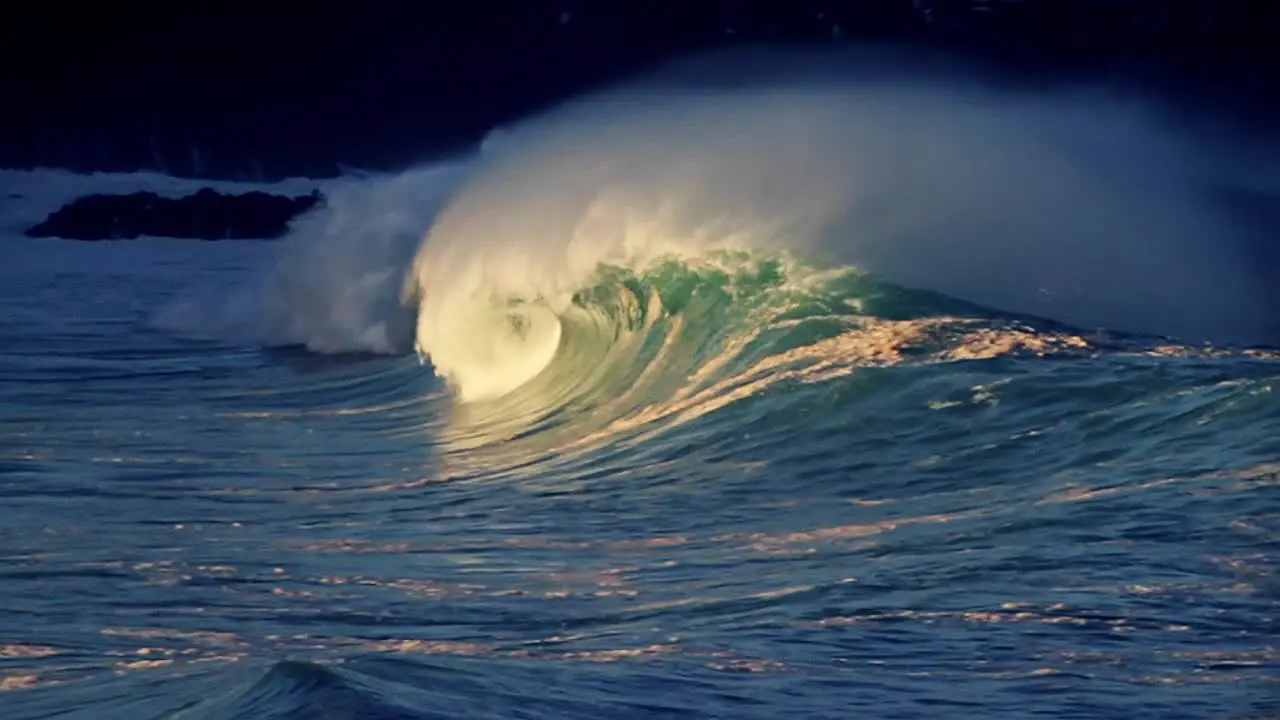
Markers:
point(795, 402)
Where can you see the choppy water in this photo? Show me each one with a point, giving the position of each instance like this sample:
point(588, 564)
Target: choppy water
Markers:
point(713, 483)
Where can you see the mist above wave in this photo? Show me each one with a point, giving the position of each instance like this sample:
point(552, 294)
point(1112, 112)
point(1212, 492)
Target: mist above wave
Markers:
point(1075, 205)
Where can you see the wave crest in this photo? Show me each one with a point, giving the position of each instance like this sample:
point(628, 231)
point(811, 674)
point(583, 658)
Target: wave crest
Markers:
point(1025, 203)
point(606, 332)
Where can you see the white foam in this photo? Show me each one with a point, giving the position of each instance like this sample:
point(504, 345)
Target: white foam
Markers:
point(333, 285)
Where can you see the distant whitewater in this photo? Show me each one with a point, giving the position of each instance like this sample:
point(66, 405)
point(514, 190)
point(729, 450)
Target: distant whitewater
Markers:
point(692, 398)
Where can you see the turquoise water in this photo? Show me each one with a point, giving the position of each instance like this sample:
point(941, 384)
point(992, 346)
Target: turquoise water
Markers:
point(906, 508)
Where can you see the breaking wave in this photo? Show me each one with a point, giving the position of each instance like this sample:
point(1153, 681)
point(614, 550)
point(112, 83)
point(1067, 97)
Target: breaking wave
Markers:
point(628, 243)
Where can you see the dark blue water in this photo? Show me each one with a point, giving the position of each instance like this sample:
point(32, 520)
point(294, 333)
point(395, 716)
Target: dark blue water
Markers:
point(202, 528)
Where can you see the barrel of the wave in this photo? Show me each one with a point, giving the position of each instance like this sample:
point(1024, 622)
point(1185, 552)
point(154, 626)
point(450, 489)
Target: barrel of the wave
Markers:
point(483, 347)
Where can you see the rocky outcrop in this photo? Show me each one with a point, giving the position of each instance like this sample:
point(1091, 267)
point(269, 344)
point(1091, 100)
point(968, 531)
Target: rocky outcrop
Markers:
point(204, 215)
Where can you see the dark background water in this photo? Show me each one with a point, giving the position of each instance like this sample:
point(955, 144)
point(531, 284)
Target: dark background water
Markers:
point(267, 90)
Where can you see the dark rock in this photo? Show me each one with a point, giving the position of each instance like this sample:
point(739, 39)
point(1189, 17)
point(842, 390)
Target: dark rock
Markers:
point(205, 215)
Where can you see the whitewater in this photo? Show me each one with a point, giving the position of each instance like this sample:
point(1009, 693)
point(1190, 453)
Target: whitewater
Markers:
point(820, 394)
